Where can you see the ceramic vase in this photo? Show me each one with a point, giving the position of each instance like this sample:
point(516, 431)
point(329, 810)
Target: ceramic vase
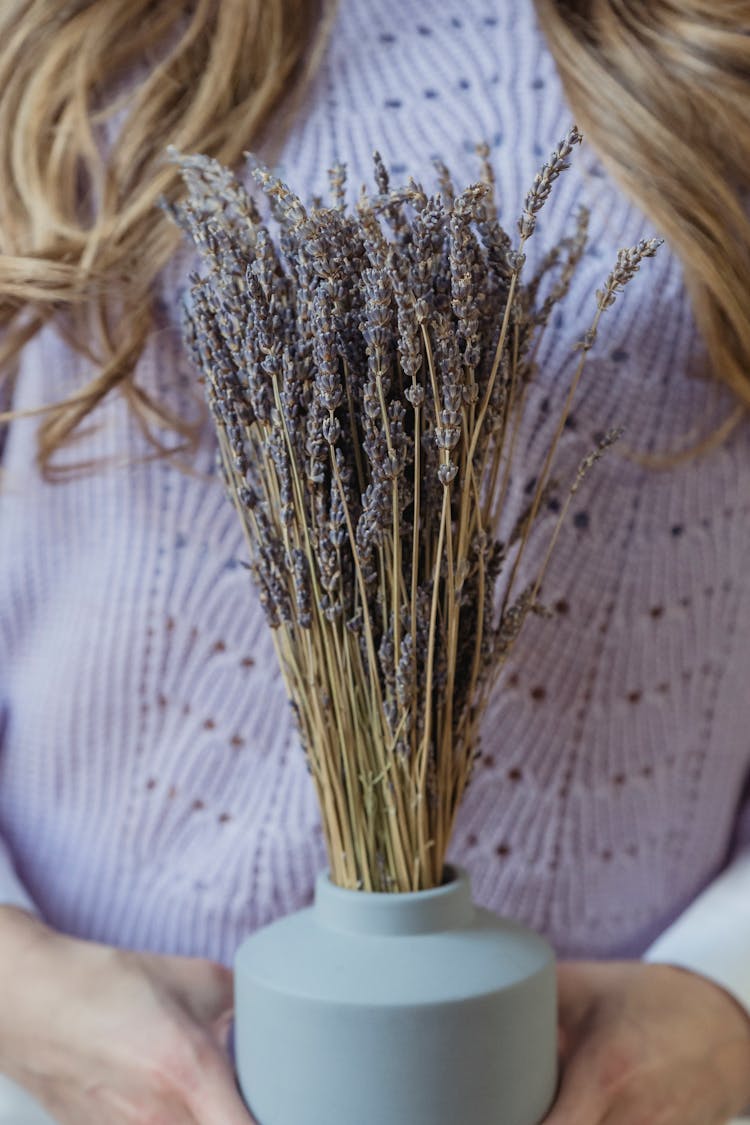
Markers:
point(412, 1008)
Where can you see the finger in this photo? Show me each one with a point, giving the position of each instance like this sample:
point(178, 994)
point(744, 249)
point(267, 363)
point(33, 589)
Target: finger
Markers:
point(575, 991)
point(658, 1096)
point(205, 988)
point(578, 998)
point(221, 1029)
point(579, 1099)
point(216, 1099)
point(104, 1104)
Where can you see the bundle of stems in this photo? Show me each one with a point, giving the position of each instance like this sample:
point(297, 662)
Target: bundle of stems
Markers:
point(366, 373)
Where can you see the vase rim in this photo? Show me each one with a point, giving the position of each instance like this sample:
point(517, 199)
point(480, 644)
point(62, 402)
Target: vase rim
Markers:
point(448, 906)
point(453, 873)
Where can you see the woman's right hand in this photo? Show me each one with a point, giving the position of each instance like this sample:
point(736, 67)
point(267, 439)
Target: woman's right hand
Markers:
point(102, 1035)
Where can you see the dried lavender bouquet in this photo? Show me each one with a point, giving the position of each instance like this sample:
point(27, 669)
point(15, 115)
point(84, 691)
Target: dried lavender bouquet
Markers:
point(366, 374)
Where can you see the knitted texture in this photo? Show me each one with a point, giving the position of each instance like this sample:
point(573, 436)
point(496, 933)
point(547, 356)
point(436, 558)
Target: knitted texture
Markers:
point(153, 793)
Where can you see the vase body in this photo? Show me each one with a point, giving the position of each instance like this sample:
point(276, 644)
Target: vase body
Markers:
point(396, 1009)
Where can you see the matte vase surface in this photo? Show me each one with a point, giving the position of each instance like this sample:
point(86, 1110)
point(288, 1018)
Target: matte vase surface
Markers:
point(396, 1009)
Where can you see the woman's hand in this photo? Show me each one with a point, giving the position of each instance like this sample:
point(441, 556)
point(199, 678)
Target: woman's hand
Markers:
point(648, 1044)
point(101, 1035)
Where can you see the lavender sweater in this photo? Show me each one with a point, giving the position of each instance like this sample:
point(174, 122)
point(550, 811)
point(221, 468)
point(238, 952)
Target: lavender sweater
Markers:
point(152, 790)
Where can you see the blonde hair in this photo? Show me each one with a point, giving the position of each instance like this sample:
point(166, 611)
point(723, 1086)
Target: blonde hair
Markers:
point(81, 237)
point(661, 91)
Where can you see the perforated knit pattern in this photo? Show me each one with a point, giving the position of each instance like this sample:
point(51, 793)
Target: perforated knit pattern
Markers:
point(152, 791)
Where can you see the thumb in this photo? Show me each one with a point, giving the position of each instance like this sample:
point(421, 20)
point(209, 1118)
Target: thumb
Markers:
point(220, 1029)
point(203, 988)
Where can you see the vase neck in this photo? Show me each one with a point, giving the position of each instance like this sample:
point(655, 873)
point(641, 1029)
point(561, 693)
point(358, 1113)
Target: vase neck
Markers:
point(447, 907)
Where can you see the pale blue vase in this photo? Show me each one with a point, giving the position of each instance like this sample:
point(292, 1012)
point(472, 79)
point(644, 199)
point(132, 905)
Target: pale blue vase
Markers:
point(396, 1009)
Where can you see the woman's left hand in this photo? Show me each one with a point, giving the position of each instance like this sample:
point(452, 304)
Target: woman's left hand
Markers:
point(648, 1044)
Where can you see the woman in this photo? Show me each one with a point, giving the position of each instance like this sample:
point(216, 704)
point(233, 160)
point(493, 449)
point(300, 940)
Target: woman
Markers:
point(154, 807)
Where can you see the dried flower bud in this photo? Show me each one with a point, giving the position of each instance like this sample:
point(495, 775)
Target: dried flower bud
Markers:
point(415, 395)
point(447, 437)
point(331, 429)
point(247, 497)
point(540, 192)
point(381, 173)
point(628, 264)
point(302, 587)
point(422, 310)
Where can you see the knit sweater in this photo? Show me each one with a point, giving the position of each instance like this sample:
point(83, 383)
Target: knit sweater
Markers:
point(153, 792)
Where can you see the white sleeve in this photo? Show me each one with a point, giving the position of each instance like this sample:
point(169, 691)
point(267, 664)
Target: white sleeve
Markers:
point(712, 936)
point(12, 891)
